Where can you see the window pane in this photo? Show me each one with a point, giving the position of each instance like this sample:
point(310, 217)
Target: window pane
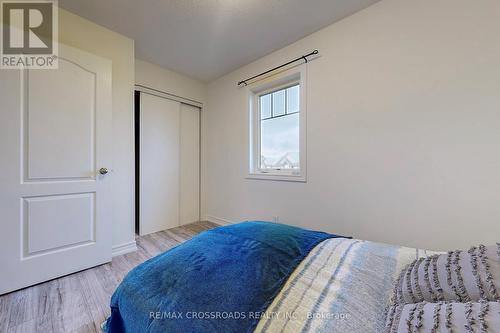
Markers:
point(265, 106)
point(279, 103)
point(280, 143)
point(292, 99)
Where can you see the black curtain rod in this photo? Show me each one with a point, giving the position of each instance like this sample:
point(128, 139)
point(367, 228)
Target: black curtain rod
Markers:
point(304, 57)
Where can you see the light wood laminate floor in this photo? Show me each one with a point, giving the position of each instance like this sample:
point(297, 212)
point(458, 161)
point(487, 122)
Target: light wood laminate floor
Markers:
point(80, 302)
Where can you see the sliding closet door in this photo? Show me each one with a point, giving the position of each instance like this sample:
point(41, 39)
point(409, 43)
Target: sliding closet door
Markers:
point(159, 164)
point(190, 164)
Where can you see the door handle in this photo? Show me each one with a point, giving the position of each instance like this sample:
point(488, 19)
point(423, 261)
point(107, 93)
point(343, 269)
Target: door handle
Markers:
point(103, 171)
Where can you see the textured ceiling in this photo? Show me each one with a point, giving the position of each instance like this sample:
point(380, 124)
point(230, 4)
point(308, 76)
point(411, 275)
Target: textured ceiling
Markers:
point(206, 39)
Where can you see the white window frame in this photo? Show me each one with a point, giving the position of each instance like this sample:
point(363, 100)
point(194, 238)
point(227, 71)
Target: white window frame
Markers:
point(280, 81)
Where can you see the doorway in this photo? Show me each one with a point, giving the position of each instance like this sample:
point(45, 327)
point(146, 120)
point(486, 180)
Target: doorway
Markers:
point(56, 186)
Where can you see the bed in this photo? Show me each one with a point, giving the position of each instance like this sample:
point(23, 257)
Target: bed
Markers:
point(261, 277)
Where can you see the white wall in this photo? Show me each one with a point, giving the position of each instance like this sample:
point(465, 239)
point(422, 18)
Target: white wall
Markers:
point(88, 36)
point(403, 129)
point(156, 77)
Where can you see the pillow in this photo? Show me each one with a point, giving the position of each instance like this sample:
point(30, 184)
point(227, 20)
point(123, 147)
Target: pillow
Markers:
point(460, 276)
point(444, 317)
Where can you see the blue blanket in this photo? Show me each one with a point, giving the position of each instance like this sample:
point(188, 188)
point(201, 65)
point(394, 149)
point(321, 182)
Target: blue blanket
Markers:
point(220, 281)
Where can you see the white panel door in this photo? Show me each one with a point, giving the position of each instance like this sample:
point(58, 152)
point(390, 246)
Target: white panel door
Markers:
point(190, 164)
point(55, 129)
point(159, 164)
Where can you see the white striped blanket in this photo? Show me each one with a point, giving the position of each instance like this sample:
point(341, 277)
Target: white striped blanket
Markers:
point(343, 285)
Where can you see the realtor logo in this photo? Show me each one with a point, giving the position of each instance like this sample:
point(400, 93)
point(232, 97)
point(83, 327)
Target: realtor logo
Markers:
point(29, 34)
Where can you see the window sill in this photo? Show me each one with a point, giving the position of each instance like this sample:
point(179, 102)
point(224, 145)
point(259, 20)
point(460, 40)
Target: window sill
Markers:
point(277, 177)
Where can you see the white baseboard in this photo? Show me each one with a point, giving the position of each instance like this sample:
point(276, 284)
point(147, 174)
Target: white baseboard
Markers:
point(118, 250)
point(182, 224)
point(218, 220)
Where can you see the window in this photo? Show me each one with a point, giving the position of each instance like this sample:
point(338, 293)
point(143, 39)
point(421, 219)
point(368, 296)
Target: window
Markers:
point(277, 129)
